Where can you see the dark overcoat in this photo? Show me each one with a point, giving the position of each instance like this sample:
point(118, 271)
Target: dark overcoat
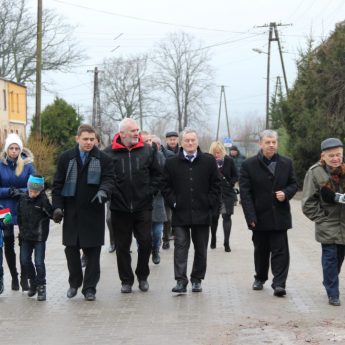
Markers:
point(192, 190)
point(84, 221)
point(257, 188)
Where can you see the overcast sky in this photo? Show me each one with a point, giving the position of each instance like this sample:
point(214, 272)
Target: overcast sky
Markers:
point(143, 23)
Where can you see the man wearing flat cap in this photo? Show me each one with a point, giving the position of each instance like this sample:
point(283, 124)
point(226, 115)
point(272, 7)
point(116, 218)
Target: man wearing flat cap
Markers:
point(324, 203)
point(171, 139)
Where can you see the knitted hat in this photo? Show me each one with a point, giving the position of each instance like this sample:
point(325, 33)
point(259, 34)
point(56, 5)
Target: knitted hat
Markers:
point(331, 143)
point(36, 182)
point(13, 138)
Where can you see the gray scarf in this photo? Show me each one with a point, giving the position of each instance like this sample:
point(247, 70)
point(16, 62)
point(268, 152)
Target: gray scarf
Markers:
point(93, 175)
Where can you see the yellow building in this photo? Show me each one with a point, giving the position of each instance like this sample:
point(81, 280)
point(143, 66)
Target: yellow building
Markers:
point(13, 111)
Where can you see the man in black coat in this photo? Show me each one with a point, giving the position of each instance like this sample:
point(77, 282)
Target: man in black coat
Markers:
point(267, 183)
point(191, 189)
point(137, 180)
point(82, 184)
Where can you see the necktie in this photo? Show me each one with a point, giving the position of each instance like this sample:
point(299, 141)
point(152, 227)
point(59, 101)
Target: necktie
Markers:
point(189, 157)
point(84, 156)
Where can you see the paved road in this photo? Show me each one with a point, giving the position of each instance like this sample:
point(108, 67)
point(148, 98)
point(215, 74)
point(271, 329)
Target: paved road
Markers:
point(226, 312)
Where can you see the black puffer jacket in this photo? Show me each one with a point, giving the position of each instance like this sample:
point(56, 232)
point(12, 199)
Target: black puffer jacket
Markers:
point(33, 216)
point(137, 176)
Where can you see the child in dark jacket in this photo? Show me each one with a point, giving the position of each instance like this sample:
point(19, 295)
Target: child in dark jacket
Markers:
point(33, 214)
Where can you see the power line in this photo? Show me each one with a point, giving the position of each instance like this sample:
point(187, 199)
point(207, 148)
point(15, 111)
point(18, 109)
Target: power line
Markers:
point(145, 19)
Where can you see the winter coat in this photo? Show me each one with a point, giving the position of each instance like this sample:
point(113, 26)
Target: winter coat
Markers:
point(257, 188)
point(329, 218)
point(228, 179)
point(191, 189)
point(137, 176)
point(158, 208)
point(238, 160)
point(167, 153)
point(175, 150)
point(8, 178)
point(33, 216)
point(84, 221)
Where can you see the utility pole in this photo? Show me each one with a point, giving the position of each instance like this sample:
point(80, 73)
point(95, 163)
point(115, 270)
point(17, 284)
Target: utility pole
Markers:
point(38, 70)
point(278, 88)
point(140, 99)
point(272, 29)
point(222, 95)
point(96, 120)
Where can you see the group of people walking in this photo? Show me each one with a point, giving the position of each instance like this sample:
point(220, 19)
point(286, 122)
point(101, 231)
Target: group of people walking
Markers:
point(151, 189)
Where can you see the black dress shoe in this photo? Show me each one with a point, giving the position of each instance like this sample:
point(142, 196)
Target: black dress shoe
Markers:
point(15, 284)
point(334, 301)
point(258, 285)
point(126, 288)
point(227, 248)
point(196, 287)
point(179, 287)
point(143, 285)
point(71, 292)
point(89, 295)
point(279, 291)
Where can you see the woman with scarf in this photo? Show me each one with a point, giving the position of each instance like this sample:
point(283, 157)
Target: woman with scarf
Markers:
point(323, 202)
point(16, 165)
point(227, 170)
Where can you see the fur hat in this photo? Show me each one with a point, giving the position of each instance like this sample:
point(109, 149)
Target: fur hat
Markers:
point(36, 182)
point(13, 138)
point(331, 143)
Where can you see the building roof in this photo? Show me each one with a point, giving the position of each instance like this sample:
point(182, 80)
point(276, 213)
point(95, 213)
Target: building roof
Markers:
point(13, 82)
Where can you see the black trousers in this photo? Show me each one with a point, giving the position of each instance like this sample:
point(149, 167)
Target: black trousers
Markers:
point(272, 245)
point(92, 269)
point(199, 235)
point(125, 225)
point(226, 227)
point(167, 225)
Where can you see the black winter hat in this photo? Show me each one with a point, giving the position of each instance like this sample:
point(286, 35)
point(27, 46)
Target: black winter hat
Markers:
point(171, 134)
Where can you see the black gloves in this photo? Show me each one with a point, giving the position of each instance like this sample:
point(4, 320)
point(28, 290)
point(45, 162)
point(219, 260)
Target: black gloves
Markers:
point(14, 192)
point(101, 196)
point(57, 215)
point(331, 197)
point(327, 195)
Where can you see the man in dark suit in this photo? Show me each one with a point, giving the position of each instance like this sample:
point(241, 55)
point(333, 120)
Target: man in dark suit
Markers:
point(267, 183)
point(82, 184)
point(191, 189)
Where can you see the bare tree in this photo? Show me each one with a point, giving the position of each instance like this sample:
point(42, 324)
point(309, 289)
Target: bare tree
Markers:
point(183, 72)
point(124, 88)
point(18, 42)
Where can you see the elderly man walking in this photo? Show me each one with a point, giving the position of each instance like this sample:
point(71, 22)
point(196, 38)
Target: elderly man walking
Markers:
point(267, 183)
point(192, 190)
point(137, 181)
point(324, 203)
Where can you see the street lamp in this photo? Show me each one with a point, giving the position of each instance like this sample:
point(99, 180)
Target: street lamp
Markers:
point(257, 50)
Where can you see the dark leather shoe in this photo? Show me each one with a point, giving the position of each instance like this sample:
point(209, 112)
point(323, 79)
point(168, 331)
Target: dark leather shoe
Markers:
point(196, 287)
point(71, 292)
point(213, 243)
point(156, 259)
point(227, 248)
point(279, 291)
point(166, 245)
point(112, 248)
point(179, 287)
point(89, 295)
point(258, 285)
point(334, 301)
point(15, 284)
point(143, 285)
point(126, 288)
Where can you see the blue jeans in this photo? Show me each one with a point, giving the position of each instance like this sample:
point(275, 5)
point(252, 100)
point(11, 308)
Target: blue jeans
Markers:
point(332, 259)
point(37, 273)
point(157, 231)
